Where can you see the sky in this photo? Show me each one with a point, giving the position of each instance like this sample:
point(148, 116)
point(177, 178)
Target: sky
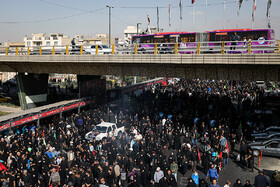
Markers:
point(19, 18)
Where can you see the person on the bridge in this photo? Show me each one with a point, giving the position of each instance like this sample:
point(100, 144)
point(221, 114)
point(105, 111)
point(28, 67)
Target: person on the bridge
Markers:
point(73, 43)
point(234, 38)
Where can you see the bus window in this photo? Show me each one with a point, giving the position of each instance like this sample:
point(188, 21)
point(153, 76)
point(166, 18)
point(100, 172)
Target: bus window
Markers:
point(147, 39)
point(187, 38)
point(183, 39)
point(254, 35)
point(172, 40)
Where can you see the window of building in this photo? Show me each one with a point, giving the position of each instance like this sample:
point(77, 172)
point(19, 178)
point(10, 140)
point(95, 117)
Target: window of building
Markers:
point(48, 43)
point(28, 43)
point(55, 43)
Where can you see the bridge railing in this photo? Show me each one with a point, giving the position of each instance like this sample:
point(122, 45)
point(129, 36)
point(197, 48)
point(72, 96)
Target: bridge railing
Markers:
point(223, 47)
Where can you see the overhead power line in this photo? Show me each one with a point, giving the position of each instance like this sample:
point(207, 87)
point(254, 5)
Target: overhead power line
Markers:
point(52, 19)
point(61, 5)
point(96, 11)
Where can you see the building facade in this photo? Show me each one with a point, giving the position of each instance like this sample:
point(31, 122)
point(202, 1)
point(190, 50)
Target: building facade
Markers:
point(129, 32)
point(41, 39)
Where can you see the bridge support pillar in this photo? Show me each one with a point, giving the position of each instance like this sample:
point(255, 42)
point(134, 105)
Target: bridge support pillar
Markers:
point(32, 89)
point(92, 86)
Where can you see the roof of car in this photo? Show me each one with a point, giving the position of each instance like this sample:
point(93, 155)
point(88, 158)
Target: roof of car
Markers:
point(105, 124)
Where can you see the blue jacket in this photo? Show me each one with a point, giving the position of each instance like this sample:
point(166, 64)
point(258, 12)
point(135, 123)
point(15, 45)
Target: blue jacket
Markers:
point(49, 154)
point(212, 173)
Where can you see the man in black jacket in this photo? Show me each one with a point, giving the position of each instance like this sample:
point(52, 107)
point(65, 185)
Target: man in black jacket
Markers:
point(26, 178)
point(260, 180)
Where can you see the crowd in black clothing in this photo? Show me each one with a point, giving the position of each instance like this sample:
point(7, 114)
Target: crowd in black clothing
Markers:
point(168, 129)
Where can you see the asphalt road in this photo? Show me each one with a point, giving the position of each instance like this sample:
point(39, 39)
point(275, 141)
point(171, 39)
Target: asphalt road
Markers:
point(234, 171)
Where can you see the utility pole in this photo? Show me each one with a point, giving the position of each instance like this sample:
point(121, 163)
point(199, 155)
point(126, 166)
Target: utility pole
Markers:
point(110, 7)
point(138, 27)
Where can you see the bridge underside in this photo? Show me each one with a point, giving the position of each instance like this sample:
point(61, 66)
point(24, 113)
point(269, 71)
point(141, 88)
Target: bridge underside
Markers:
point(224, 67)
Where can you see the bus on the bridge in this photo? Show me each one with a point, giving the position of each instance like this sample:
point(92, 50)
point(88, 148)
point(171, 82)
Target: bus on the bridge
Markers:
point(188, 40)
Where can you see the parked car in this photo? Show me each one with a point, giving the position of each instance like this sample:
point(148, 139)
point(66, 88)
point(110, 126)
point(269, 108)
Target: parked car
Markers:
point(266, 137)
point(269, 147)
point(267, 131)
point(103, 129)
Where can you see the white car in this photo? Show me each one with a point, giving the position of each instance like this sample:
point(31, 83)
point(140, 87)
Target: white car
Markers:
point(102, 49)
point(103, 129)
point(92, 49)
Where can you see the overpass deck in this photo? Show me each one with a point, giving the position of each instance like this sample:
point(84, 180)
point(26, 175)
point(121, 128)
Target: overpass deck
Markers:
point(204, 66)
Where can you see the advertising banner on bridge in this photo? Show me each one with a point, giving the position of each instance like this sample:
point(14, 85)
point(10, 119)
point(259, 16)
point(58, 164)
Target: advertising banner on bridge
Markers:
point(65, 108)
point(25, 120)
point(50, 113)
point(5, 126)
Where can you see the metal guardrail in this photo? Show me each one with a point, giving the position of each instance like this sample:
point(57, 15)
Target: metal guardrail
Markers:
point(223, 47)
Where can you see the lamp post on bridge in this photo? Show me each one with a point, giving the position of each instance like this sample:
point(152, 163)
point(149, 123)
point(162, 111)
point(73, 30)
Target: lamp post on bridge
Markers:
point(110, 7)
point(138, 27)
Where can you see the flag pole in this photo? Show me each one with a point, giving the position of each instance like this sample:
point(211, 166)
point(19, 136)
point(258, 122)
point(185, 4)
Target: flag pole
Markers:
point(193, 14)
point(237, 17)
point(205, 13)
point(253, 15)
point(157, 19)
point(224, 13)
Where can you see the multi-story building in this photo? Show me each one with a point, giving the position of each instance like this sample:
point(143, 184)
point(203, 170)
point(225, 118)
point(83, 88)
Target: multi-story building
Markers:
point(41, 39)
point(79, 39)
point(129, 32)
point(100, 39)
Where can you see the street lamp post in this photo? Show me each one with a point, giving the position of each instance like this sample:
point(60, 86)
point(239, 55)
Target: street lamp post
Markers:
point(109, 23)
point(138, 28)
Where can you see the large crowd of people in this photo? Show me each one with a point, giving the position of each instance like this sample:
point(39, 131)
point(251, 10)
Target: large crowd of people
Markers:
point(169, 130)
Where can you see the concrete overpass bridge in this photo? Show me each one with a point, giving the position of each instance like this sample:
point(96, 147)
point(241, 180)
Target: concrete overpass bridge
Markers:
point(248, 67)
point(33, 86)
